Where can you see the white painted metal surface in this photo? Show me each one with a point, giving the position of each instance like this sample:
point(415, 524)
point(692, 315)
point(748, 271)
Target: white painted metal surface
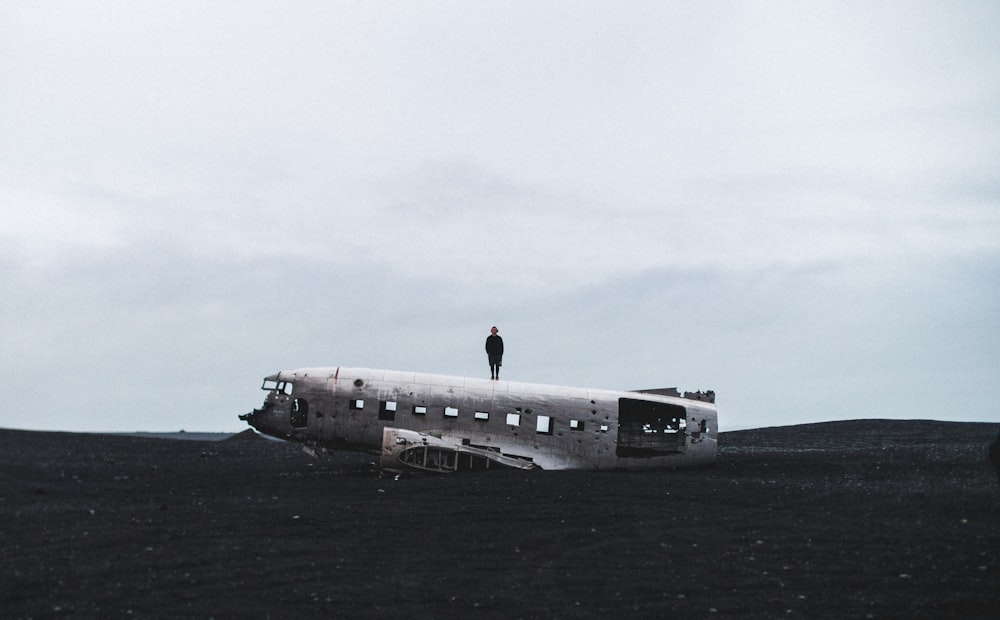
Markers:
point(484, 423)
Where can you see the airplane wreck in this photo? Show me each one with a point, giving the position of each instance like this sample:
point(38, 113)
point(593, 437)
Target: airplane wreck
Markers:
point(435, 423)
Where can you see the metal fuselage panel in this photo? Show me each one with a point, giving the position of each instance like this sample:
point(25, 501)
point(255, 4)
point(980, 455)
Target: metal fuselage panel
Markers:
point(555, 427)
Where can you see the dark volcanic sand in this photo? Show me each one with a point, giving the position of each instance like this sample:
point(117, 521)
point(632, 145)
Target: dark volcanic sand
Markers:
point(868, 518)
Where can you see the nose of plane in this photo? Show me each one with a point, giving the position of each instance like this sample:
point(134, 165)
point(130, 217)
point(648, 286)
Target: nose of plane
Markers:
point(252, 419)
point(267, 421)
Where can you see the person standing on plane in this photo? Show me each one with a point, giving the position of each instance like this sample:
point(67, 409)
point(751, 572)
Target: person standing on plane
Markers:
point(494, 351)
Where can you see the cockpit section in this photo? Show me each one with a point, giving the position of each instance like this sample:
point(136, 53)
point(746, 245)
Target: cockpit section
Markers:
point(280, 413)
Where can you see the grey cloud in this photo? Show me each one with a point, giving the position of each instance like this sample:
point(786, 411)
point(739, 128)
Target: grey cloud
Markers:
point(792, 204)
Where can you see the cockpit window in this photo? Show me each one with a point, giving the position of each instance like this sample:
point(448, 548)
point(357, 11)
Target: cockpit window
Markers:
point(277, 386)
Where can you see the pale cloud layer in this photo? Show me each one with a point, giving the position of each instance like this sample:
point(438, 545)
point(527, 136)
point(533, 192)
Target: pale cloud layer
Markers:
point(795, 204)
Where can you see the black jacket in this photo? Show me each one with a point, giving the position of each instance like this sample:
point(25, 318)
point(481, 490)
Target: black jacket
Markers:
point(494, 345)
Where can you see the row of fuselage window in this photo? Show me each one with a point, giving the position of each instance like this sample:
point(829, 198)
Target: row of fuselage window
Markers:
point(387, 410)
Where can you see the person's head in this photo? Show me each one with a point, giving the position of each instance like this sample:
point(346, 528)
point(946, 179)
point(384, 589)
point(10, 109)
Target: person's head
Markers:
point(494, 330)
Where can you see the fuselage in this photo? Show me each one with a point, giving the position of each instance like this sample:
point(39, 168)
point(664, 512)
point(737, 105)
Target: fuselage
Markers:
point(550, 427)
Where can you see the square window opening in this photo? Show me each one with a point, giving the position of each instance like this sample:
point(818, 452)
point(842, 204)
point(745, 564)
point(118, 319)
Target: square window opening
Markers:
point(543, 425)
point(387, 410)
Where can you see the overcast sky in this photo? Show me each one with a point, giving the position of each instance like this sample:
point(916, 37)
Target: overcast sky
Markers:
point(796, 204)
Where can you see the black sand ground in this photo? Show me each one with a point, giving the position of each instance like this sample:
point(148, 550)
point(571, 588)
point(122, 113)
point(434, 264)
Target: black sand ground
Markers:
point(859, 519)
